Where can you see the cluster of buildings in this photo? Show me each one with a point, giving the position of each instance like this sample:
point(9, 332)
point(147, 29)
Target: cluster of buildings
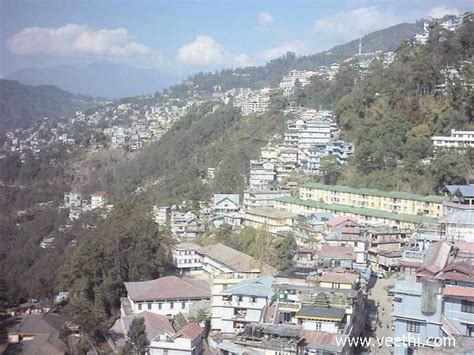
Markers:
point(252, 101)
point(450, 23)
point(249, 307)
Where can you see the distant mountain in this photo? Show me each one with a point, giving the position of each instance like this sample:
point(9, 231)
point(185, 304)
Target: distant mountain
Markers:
point(388, 39)
point(103, 79)
point(22, 105)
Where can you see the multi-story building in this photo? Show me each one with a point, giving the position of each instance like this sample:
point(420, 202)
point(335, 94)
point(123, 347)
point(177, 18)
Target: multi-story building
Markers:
point(254, 198)
point(389, 201)
point(241, 304)
point(457, 140)
point(350, 236)
point(186, 258)
point(269, 219)
point(262, 174)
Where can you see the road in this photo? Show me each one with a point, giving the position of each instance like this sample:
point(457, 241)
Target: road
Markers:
point(379, 296)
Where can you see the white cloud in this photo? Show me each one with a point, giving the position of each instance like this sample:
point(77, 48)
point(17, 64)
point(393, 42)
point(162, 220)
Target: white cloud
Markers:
point(205, 51)
point(73, 39)
point(348, 25)
point(441, 11)
point(265, 19)
point(299, 47)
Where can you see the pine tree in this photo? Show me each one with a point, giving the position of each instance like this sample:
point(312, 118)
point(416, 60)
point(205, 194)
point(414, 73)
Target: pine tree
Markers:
point(137, 342)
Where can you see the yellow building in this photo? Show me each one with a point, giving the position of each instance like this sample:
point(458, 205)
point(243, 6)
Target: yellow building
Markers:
point(270, 219)
point(388, 201)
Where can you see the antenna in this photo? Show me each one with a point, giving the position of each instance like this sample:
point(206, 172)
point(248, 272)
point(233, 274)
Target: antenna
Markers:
point(360, 45)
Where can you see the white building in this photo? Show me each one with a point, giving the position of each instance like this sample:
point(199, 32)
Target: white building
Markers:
point(262, 174)
point(457, 140)
point(169, 295)
point(72, 199)
point(98, 199)
point(186, 258)
point(288, 83)
point(241, 304)
point(262, 198)
point(225, 204)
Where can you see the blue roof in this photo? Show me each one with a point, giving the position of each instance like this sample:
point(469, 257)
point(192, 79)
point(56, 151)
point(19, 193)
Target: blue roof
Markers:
point(463, 190)
point(259, 287)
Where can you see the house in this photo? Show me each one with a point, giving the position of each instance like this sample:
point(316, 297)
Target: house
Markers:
point(461, 194)
point(38, 334)
point(164, 338)
point(225, 204)
point(98, 199)
point(350, 236)
point(269, 219)
point(241, 304)
point(385, 248)
point(186, 225)
point(167, 295)
point(336, 256)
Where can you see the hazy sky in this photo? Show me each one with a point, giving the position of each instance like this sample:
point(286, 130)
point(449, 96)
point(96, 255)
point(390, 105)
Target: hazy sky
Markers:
point(186, 36)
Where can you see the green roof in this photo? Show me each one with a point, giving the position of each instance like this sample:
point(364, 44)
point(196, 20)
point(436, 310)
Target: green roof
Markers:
point(375, 192)
point(370, 212)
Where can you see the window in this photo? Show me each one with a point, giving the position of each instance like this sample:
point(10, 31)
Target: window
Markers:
point(171, 305)
point(139, 306)
point(159, 305)
point(165, 351)
point(253, 299)
point(149, 305)
point(469, 330)
point(413, 327)
point(183, 305)
point(467, 306)
point(239, 298)
point(336, 285)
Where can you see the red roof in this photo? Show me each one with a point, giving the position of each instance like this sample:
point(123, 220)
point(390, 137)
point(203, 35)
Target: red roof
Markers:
point(319, 337)
point(191, 331)
point(458, 291)
point(339, 252)
point(336, 221)
point(464, 247)
point(168, 288)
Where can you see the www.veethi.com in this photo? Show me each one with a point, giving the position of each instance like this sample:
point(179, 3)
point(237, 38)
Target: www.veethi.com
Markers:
point(436, 342)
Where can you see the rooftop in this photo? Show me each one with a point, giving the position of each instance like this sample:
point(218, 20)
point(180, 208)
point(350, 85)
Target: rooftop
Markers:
point(341, 277)
point(369, 212)
point(269, 212)
point(259, 287)
point(340, 252)
point(234, 259)
point(458, 291)
point(155, 324)
point(327, 313)
point(168, 288)
point(375, 192)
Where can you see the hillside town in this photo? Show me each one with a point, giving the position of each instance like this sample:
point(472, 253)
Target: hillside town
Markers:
point(369, 271)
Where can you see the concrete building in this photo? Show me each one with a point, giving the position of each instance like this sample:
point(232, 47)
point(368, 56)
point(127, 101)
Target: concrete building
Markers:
point(262, 174)
point(225, 204)
point(241, 304)
point(269, 219)
point(254, 198)
point(167, 295)
point(457, 140)
point(186, 258)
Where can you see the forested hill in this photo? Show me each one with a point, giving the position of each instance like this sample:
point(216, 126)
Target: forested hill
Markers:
point(21, 105)
point(388, 39)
